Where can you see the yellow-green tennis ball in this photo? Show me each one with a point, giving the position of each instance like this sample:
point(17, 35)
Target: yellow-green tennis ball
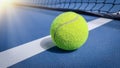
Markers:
point(69, 31)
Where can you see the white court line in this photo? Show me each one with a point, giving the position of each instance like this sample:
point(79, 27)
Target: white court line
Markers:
point(25, 51)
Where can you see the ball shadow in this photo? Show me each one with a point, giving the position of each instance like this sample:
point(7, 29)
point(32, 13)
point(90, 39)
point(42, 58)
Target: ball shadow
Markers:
point(47, 43)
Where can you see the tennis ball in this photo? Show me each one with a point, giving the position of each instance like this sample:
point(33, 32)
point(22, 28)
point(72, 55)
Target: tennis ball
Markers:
point(69, 31)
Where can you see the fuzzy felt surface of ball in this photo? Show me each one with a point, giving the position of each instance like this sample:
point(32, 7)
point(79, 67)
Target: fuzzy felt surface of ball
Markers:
point(69, 31)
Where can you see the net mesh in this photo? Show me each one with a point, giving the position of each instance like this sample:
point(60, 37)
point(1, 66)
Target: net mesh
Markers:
point(109, 7)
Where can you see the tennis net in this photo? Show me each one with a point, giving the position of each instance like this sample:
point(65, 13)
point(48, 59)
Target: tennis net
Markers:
point(103, 8)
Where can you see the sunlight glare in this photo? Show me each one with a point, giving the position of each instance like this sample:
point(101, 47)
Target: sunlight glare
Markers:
point(5, 3)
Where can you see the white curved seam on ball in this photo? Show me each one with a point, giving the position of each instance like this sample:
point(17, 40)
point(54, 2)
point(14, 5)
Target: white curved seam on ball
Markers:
point(71, 21)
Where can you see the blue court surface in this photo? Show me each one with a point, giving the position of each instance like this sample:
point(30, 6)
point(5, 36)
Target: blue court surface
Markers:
point(25, 41)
